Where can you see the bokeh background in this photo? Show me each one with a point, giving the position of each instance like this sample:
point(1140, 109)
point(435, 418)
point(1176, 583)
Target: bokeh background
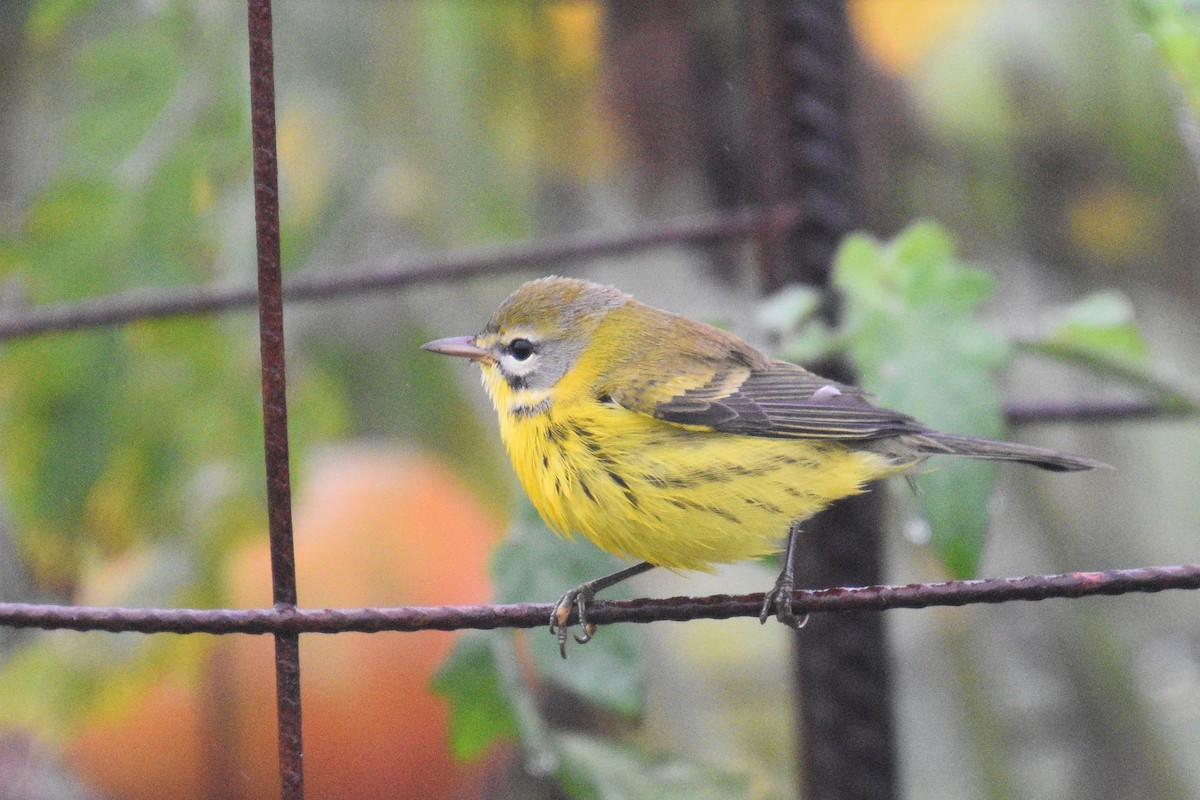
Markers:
point(1057, 140)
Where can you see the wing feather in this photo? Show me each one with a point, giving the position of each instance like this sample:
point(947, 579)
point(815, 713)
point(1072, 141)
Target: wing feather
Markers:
point(774, 400)
point(728, 386)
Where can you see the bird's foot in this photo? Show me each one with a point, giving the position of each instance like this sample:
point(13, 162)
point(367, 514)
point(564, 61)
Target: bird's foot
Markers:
point(577, 599)
point(779, 599)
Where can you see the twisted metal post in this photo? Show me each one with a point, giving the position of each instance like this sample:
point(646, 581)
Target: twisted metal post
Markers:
point(842, 670)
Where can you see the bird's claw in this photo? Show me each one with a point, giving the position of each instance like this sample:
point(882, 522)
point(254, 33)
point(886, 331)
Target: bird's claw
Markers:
point(779, 599)
point(577, 599)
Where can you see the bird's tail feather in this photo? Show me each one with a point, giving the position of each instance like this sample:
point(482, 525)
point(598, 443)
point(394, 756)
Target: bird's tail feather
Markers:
point(933, 443)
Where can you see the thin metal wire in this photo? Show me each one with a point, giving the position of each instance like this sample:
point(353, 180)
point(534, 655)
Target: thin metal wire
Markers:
point(148, 304)
point(274, 393)
point(295, 621)
point(1079, 411)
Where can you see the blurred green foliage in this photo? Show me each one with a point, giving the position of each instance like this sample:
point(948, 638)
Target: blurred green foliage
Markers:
point(492, 695)
point(146, 439)
point(120, 438)
point(531, 564)
point(466, 123)
point(1100, 333)
point(1175, 29)
point(150, 171)
point(596, 769)
point(911, 328)
point(910, 325)
point(1100, 327)
point(1051, 135)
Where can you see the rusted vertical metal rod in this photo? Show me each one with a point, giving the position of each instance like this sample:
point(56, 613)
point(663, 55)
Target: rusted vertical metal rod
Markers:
point(847, 745)
point(274, 391)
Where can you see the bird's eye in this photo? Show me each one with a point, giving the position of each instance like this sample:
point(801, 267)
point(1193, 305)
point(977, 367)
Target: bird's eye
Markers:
point(521, 349)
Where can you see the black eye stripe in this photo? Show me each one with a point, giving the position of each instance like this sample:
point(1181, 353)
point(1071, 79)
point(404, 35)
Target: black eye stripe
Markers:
point(520, 349)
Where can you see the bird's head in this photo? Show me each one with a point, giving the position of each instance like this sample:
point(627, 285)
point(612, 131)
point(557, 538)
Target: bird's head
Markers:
point(537, 334)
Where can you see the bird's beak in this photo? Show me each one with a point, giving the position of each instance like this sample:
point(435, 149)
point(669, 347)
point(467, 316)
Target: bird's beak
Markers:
point(461, 346)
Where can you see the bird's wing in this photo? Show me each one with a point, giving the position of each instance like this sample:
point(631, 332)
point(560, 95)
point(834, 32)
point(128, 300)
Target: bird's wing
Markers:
point(774, 399)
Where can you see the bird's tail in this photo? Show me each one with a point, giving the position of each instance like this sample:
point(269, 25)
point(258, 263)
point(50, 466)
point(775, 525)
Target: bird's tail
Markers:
point(933, 443)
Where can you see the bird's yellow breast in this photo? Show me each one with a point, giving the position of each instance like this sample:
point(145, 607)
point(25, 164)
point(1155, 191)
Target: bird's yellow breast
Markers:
point(680, 498)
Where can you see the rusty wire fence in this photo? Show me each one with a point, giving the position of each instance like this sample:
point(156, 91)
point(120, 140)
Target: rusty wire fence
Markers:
point(800, 50)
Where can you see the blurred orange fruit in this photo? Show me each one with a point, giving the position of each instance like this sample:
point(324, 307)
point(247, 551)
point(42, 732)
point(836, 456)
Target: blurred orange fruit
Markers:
point(373, 528)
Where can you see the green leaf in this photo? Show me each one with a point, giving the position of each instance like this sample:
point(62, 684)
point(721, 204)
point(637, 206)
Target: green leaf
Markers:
point(814, 343)
point(1174, 27)
point(481, 679)
point(48, 19)
point(784, 311)
point(910, 326)
point(608, 671)
point(953, 502)
point(1099, 328)
point(789, 316)
point(535, 565)
point(601, 770)
point(480, 712)
point(1099, 333)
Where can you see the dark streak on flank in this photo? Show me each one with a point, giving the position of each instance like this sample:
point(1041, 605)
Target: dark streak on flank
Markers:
point(722, 513)
point(679, 483)
point(684, 503)
point(694, 477)
point(606, 461)
point(720, 473)
point(604, 458)
point(763, 468)
point(583, 485)
point(763, 504)
point(617, 479)
point(585, 436)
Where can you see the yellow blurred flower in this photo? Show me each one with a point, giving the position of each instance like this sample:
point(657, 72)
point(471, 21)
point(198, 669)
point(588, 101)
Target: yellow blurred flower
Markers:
point(898, 34)
point(577, 33)
point(1111, 223)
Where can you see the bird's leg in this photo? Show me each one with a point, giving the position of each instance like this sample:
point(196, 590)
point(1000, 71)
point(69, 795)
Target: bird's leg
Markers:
point(579, 597)
point(780, 597)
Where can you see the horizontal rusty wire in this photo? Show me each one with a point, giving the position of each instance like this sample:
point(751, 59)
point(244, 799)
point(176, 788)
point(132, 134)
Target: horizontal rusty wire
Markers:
point(523, 615)
point(1027, 413)
point(146, 304)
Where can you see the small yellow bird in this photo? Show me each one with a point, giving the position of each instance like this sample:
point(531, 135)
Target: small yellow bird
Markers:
point(678, 444)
